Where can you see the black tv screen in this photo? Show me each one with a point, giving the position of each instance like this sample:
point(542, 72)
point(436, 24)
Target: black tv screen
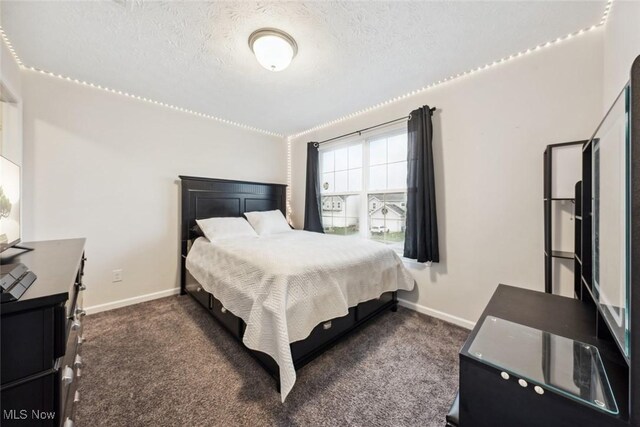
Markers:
point(9, 204)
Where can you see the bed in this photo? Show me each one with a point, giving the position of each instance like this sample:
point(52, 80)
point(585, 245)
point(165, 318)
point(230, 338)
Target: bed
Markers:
point(286, 297)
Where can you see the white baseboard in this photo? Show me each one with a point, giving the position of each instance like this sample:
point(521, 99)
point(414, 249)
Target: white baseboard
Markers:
point(175, 291)
point(467, 324)
point(132, 301)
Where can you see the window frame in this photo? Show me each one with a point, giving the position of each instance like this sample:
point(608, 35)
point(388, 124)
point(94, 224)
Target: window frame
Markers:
point(363, 218)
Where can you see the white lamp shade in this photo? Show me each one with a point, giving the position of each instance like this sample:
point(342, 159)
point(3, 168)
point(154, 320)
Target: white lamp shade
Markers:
point(273, 51)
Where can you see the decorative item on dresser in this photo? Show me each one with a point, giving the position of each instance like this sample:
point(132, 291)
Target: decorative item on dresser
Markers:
point(42, 336)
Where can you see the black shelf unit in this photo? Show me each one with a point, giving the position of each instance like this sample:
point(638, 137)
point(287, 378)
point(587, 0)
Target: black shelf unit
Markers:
point(562, 254)
point(585, 254)
point(489, 394)
point(549, 252)
point(583, 227)
point(577, 268)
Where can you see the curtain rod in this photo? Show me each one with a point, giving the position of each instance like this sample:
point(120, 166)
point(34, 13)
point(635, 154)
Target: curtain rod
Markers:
point(359, 132)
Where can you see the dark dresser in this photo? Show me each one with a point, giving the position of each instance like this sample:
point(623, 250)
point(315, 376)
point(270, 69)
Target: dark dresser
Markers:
point(534, 359)
point(42, 337)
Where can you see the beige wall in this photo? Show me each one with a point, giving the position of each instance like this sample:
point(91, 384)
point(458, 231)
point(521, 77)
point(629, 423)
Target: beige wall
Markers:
point(491, 130)
point(105, 167)
point(621, 47)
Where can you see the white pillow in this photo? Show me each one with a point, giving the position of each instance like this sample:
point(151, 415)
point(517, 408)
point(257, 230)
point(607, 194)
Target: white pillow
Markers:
point(224, 228)
point(268, 222)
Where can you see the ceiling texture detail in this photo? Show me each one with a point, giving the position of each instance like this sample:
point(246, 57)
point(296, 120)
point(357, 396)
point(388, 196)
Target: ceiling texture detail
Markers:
point(353, 56)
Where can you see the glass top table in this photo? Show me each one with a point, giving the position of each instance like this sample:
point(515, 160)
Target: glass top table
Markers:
point(567, 367)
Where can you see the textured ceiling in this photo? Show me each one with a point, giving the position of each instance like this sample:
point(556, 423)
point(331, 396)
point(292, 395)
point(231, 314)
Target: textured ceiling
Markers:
point(351, 54)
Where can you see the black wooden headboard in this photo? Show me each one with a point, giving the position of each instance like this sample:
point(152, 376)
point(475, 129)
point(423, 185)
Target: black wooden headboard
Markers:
point(210, 197)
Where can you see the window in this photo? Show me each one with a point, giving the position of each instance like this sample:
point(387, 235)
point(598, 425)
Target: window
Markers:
point(365, 182)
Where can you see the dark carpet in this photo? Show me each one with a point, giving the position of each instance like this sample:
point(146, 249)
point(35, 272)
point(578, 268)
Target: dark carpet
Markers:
point(168, 363)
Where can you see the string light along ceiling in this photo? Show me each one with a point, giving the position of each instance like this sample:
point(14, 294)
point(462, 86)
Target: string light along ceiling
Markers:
point(130, 95)
point(602, 22)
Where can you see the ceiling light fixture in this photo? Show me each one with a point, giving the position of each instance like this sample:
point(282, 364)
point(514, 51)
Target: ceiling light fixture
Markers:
point(273, 48)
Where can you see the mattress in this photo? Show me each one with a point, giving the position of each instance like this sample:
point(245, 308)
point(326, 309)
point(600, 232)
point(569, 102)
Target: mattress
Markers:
point(283, 285)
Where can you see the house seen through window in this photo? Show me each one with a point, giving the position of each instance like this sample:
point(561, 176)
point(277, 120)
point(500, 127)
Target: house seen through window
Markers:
point(364, 188)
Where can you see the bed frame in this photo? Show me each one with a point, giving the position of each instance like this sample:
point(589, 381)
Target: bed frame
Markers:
point(206, 198)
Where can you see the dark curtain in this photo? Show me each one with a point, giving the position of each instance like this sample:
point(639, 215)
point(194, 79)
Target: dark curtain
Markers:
point(421, 234)
point(312, 203)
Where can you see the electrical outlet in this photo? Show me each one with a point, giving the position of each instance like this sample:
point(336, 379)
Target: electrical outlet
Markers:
point(117, 276)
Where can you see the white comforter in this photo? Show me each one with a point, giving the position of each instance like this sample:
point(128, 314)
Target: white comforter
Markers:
point(285, 284)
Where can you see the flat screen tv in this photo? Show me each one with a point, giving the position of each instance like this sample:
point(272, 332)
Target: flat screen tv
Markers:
point(9, 204)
